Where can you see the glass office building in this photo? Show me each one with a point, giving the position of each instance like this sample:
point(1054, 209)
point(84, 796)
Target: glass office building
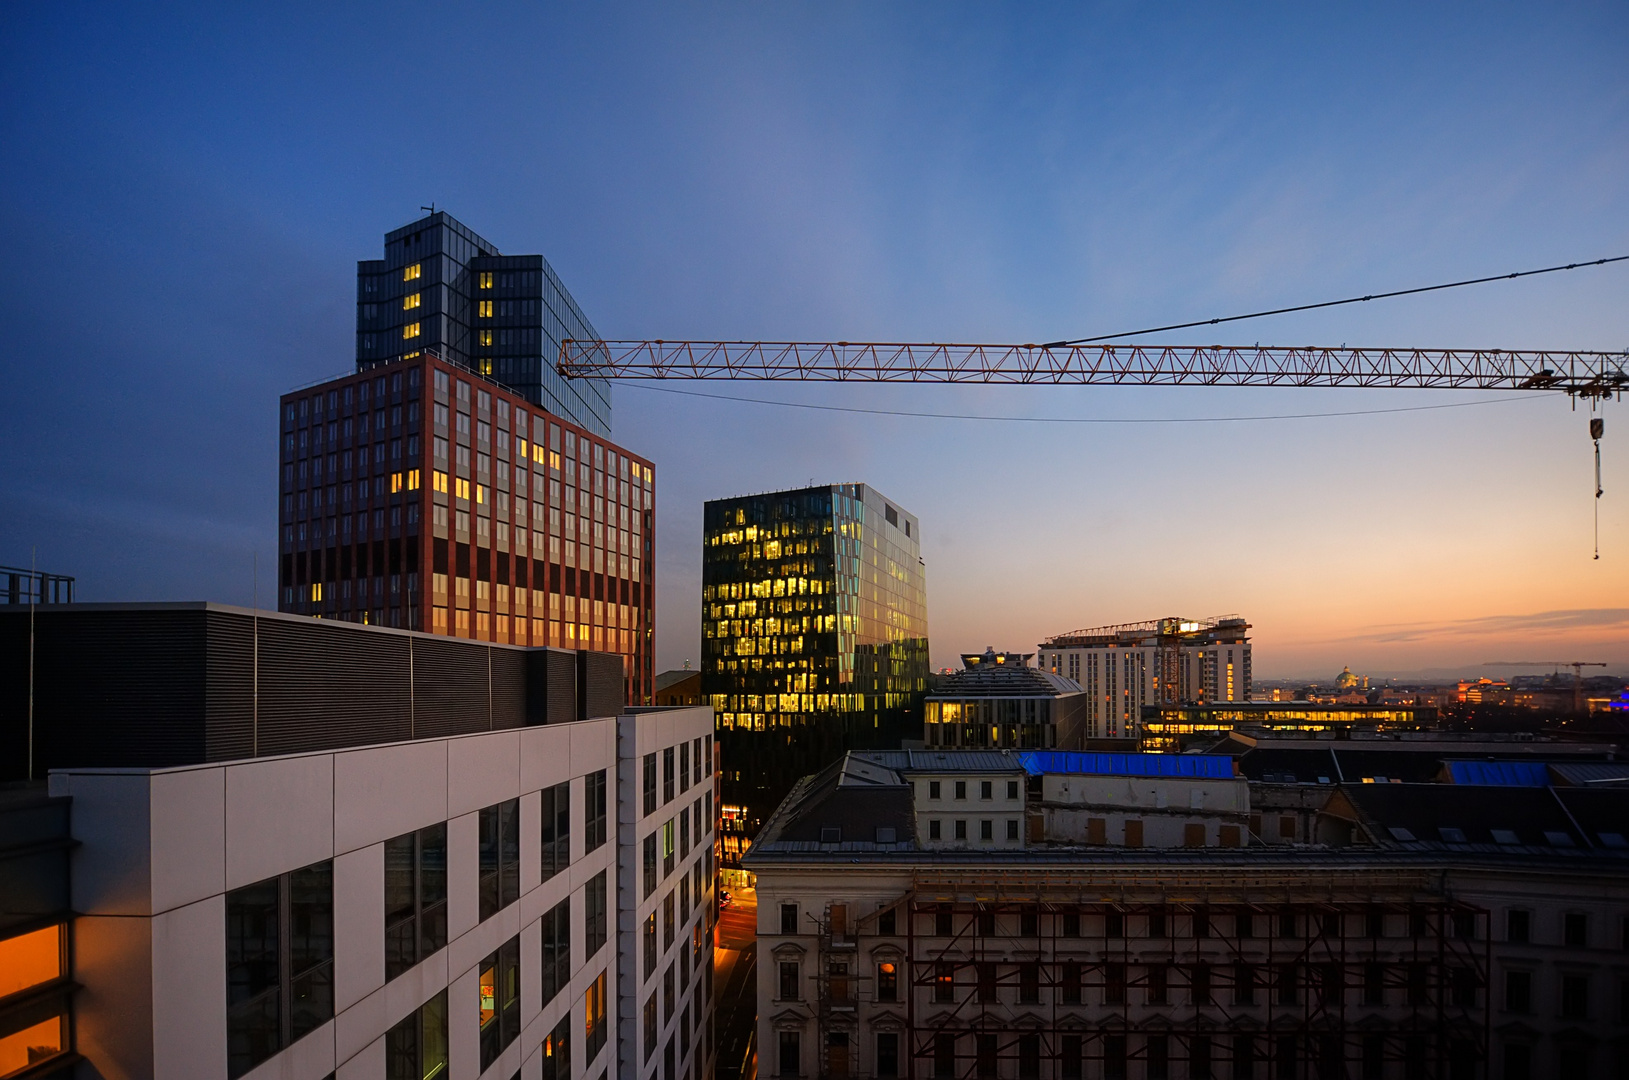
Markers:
point(443, 289)
point(814, 636)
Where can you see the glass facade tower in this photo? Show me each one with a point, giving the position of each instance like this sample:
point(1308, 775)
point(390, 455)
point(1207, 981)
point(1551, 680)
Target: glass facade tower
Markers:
point(444, 290)
point(814, 637)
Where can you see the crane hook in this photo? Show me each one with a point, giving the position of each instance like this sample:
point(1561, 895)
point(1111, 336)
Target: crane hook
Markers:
point(1597, 428)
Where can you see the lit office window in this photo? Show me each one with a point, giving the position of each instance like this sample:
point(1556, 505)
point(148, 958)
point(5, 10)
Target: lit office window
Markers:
point(483, 309)
point(486, 280)
point(499, 988)
point(411, 330)
point(596, 1029)
point(484, 337)
point(415, 897)
point(557, 1051)
point(412, 273)
point(412, 300)
point(35, 1034)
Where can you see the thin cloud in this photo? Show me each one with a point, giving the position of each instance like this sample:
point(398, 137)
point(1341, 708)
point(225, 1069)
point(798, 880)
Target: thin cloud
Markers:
point(1563, 623)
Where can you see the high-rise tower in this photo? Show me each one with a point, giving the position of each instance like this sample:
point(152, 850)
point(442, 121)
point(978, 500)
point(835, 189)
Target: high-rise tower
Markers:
point(443, 289)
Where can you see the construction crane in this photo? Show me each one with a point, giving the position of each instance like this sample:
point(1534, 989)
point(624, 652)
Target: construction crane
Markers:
point(1587, 375)
point(1591, 376)
point(1577, 666)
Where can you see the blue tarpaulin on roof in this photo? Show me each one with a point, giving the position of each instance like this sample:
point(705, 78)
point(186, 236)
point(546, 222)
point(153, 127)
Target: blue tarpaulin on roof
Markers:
point(1212, 766)
point(1500, 773)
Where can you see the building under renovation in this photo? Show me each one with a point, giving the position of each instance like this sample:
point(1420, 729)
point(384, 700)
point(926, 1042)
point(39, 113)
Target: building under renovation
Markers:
point(1170, 661)
point(1060, 916)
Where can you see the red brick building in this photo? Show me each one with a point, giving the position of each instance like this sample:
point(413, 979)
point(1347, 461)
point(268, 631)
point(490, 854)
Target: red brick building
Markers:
point(420, 495)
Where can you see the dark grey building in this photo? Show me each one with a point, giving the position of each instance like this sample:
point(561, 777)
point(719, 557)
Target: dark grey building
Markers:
point(441, 288)
point(156, 685)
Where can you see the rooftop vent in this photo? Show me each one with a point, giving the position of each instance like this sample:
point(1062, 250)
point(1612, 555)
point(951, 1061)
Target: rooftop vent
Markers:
point(1505, 836)
point(831, 834)
point(1400, 833)
point(1613, 839)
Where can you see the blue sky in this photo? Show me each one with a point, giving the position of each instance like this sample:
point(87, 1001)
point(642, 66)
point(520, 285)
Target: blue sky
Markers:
point(187, 192)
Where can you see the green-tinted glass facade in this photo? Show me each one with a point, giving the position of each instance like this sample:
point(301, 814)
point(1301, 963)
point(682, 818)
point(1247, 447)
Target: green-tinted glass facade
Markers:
point(814, 634)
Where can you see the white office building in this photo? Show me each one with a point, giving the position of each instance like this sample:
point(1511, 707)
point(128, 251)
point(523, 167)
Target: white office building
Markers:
point(525, 890)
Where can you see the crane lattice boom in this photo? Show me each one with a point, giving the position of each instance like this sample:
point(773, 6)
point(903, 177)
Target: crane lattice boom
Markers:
point(1585, 374)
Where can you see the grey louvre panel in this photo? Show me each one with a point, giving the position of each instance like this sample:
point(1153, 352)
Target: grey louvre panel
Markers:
point(111, 688)
point(229, 685)
point(508, 687)
point(537, 686)
point(151, 685)
point(325, 685)
point(562, 687)
point(602, 684)
point(451, 688)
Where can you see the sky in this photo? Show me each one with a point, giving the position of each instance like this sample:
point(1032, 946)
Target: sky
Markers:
point(187, 192)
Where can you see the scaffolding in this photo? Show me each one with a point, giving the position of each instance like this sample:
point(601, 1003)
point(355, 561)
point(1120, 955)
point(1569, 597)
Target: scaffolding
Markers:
point(1034, 976)
point(21, 587)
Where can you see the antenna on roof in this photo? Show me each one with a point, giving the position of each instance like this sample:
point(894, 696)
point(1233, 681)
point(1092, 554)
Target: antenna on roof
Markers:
point(431, 208)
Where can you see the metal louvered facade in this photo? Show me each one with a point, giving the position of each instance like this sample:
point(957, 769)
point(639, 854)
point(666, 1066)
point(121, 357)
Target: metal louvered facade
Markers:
point(118, 685)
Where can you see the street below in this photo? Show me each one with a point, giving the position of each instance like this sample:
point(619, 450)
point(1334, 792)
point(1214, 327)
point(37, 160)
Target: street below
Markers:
point(736, 960)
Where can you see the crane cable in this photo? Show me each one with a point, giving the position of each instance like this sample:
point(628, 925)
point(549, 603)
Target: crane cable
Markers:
point(1332, 303)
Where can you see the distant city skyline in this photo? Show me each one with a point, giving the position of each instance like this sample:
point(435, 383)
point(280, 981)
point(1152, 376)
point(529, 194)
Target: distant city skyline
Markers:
point(189, 194)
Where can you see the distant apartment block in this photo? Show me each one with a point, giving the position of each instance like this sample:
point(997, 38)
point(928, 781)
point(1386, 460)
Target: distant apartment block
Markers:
point(1170, 661)
point(417, 495)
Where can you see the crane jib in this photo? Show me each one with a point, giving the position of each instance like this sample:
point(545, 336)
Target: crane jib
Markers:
point(1589, 375)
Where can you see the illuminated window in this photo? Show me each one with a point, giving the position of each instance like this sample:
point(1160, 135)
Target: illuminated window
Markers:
point(480, 494)
point(412, 273)
point(412, 480)
point(483, 309)
point(500, 1000)
point(395, 482)
point(411, 301)
point(594, 1016)
point(316, 590)
point(484, 366)
point(30, 960)
point(32, 1044)
point(484, 337)
point(486, 280)
point(461, 487)
point(411, 330)
point(438, 480)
